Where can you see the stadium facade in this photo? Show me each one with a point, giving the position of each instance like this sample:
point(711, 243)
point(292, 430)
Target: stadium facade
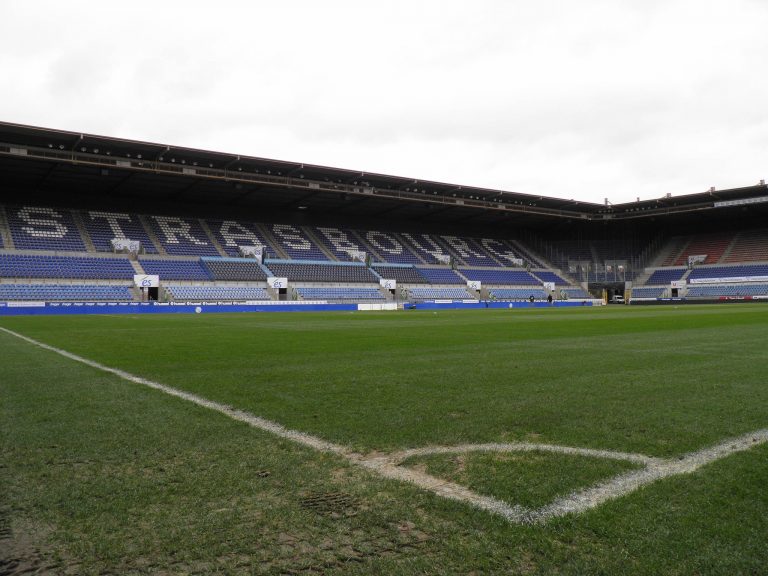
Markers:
point(81, 216)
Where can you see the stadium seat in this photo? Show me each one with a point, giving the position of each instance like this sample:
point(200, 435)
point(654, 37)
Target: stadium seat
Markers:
point(36, 228)
point(217, 293)
point(59, 293)
point(345, 293)
point(405, 274)
point(517, 293)
point(102, 227)
point(439, 294)
point(648, 292)
point(175, 269)
point(390, 248)
point(295, 242)
point(664, 276)
point(75, 267)
point(738, 273)
point(182, 236)
point(441, 276)
point(235, 269)
point(322, 272)
point(502, 276)
point(231, 234)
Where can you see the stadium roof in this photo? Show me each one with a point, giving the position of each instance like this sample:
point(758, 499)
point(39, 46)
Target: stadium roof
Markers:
point(56, 162)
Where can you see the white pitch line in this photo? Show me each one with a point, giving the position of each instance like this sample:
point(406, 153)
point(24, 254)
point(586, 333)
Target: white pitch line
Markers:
point(234, 413)
point(398, 457)
point(388, 465)
point(625, 483)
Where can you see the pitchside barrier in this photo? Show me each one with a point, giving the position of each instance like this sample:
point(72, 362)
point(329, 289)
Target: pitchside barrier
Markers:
point(64, 308)
point(683, 300)
point(476, 304)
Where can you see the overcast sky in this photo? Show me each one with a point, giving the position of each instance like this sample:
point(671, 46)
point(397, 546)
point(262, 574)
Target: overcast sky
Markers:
point(573, 99)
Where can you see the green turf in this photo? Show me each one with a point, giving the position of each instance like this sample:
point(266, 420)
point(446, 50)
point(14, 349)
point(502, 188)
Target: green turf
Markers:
point(660, 381)
point(103, 476)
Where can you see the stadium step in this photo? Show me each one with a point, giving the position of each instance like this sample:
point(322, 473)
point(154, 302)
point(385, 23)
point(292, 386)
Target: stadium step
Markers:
point(315, 240)
point(274, 244)
point(674, 250)
point(413, 250)
point(642, 278)
point(525, 252)
point(152, 236)
point(729, 249)
point(368, 248)
point(83, 232)
point(5, 233)
point(212, 238)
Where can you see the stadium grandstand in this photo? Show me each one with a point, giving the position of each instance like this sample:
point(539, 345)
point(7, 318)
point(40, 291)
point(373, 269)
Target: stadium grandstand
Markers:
point(81, 216)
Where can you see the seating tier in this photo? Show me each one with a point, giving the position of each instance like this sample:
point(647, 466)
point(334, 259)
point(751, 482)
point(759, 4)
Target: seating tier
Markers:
point(175, 269)
point(295, 242)
point(41, 266)
point(36, 228)
point(243, 269)
point(217, 293)
point(346, 293)
point(305, 272)
point(728, 290)
point(390, 247)
point(518, 293)
point(102, 227)
point(745, 271)
point(182, 236)
point(58, 293)
point(441, 276)
point(404, 275)
point(439, 294)
point(502, 276)
point(231, 234)
point(665, 276)
point(648, 292)
point(547, 276)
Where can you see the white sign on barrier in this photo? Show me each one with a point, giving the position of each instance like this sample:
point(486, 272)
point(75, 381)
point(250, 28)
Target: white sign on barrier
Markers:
point(731, 280)
point(357, 255)
point(277, 283)
point(678, 283)
point(474, 285)
point(256, 252)
point(388, 284)
point(550, 286)
point(123, 244)
point(370, 307)
point(146, 280)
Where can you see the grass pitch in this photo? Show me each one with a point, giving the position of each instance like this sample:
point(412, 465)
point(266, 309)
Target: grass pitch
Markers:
point(101, 475)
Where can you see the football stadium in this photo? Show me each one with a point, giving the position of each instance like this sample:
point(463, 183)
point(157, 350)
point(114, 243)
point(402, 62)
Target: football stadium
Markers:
point(215, 363)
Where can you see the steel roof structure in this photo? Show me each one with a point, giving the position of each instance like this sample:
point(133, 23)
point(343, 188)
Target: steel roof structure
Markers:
point(41, 164)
